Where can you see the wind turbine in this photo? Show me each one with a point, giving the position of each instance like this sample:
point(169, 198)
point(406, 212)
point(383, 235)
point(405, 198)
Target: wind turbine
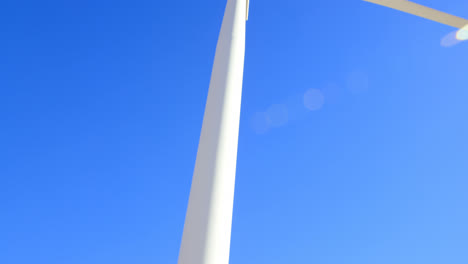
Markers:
point(207, 231)
point(428, 13)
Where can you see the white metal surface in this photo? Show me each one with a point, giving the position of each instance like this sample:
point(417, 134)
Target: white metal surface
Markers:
point(207, 229)
point(423, 11)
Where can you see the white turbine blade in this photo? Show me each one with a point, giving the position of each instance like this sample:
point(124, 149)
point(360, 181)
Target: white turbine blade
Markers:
point(423, 11)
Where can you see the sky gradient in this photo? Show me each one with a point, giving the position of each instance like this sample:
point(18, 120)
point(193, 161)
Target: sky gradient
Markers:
point(353, 142)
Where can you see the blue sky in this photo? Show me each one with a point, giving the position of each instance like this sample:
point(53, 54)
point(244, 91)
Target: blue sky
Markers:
point(353, 137)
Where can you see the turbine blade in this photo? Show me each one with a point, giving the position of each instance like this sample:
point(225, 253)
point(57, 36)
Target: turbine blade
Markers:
point(423, 11)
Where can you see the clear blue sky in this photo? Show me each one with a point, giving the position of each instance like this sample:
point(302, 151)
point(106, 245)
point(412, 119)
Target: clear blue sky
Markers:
point(101, 104)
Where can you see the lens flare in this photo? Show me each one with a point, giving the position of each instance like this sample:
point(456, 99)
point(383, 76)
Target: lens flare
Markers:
point(314, 99)
point(462, 34)
point(450, 40)
point(277, 115)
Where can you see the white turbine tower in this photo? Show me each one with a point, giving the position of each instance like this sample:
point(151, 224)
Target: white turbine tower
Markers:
point(207, 231)
point(428, 13)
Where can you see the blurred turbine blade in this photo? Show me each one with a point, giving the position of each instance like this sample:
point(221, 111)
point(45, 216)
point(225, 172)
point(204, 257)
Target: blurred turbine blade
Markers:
point(423, 11)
